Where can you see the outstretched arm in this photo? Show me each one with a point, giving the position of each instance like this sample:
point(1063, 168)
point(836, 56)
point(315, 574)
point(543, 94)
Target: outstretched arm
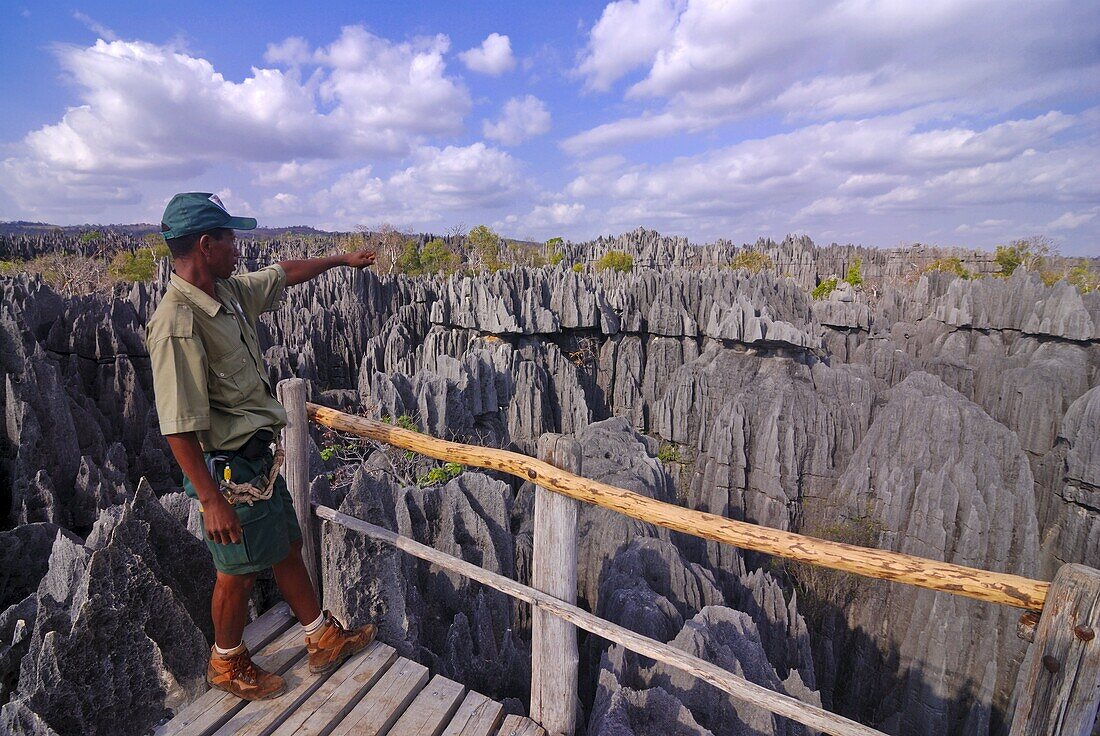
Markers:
point(298, 272)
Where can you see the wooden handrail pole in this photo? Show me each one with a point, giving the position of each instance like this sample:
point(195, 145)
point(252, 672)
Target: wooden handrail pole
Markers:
point(292, 395)
point(554, 657)
point(1062, 690)
point(983, 585)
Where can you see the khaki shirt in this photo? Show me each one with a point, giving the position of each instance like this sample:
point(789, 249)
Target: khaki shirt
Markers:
point(208, 374)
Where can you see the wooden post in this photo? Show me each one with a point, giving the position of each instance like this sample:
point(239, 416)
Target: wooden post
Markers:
point(292, 395)
point(1062, 689)
point(554, 656)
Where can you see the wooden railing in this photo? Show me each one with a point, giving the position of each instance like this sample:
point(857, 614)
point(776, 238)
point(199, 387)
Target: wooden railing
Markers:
point(1062, 617)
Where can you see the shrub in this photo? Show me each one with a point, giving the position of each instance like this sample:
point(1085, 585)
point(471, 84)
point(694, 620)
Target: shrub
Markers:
point(616, 260)
point(951, 265)
point(821, 588)
point(1084, 278)
point(1029, 253)
point(826, 287)
point(89, 236)
point(578, 267)
point(752, 261)
point(855, 272)
point(440, 474)
point(668, 453)
point(140, 265)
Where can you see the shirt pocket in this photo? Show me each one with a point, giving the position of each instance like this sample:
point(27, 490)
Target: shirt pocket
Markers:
point(232, 378)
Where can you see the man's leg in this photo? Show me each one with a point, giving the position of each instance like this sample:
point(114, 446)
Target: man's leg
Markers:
point(229, 608)
point(327, 641)
point(295, 585)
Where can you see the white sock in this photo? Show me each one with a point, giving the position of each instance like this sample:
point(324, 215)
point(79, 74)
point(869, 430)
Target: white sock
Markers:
point(229, 652)
point(314, 627)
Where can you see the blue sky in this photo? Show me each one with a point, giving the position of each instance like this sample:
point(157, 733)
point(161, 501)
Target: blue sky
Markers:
point(948, 123)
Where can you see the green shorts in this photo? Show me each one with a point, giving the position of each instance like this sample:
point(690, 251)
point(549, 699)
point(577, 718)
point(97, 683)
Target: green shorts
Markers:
point(268, 526)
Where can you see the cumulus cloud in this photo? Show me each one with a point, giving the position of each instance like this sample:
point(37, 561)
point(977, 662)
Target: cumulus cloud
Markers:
point(889, 170)
point(492, 57)
point(151, 110)
point(628, 35)
point(554, 215)
point(293, 173)
point(809, 61)
point(522, 118)
point(437, 182)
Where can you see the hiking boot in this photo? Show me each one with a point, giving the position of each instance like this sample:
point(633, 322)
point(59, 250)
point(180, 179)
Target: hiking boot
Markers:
point(332, 644)
point(238, 675)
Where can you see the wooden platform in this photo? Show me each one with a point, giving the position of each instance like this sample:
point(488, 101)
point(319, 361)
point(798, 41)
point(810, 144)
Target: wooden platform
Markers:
point(375, 693)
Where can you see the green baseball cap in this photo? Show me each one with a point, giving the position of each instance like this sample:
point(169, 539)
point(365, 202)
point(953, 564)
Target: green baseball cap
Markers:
point(196, 212)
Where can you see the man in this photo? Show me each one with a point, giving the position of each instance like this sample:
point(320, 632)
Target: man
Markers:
point(219, 415)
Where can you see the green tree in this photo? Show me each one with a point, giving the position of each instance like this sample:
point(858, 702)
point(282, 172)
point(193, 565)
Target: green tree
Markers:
point(141, 265)
point(616, 260)
point(855, 272)
point(437, 257)
point(1084, 278)
point(408, 260)
point(484, 250)
point(1031, 254)
point(90, 235)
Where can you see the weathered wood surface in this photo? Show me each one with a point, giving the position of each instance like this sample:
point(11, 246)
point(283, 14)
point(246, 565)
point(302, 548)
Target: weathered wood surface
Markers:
point(739, 688)
point(214, 707)
point(292, 395)
point(1062, 689)
point(374, 692)
point(994, 587)
point(432, 709)
point(519, 726)
point(477, 716)
point(383, 705)
point(330, 703)
point(554, 658)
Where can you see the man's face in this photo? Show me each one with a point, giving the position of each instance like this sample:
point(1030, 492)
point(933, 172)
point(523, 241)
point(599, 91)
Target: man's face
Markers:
point(222, 255)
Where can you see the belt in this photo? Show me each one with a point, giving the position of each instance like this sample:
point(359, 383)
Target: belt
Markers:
point(255, 447)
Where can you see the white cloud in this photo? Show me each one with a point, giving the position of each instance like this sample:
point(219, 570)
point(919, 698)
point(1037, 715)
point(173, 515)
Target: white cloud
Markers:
point(281, 204)
point(557, 214)
point(1070, 220)
point(293, 173)
point(805, 60)
point(290, 52)
point(438, 182)
point(522, 118)
point(628, 35)
point(149, 110)
point(493, 56)
point(94, 26)
point(884, 173)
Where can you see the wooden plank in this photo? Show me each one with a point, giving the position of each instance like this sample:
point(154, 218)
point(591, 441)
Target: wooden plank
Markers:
point(1062, 689)
point(216, 706)
point(554, 658)
point(520, 726)
point(268, 627)
point(429, 714)
point(738, 687)
point(257, 635)
point(264, 716)
point(330, 703)
point(477, 716)
point(292, 395)
point(386, 701)
point(983, 585)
